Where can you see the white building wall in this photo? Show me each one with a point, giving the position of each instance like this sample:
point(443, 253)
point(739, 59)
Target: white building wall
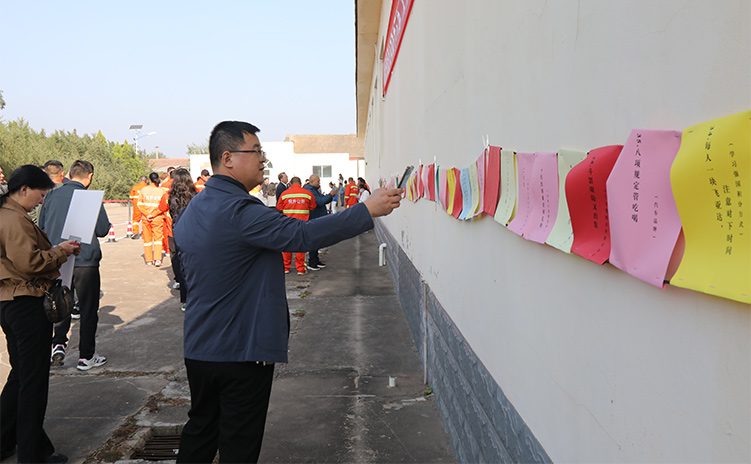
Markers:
point(283, 159)
point(602, 367)
point(197, 164)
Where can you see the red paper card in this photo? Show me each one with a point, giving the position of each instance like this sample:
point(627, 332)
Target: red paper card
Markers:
point(458, 198)
point(492, 180)
point(586, 193)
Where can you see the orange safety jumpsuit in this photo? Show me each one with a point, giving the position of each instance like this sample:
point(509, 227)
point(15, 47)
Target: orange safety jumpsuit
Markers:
point(153, 222)
point(351, 195)
point(296, 202)
point(200, 185)
point(133, 201)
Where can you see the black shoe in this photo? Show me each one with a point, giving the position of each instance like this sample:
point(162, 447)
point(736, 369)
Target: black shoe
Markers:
point(313, 268)
point(56, 458)
point(136, 236)
point(321, 264)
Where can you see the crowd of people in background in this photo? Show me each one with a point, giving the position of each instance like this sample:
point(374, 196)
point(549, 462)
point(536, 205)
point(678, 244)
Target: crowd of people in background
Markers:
point(152, 219)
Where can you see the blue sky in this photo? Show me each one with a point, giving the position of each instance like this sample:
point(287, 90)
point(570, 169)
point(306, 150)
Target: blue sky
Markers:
point(178, 68)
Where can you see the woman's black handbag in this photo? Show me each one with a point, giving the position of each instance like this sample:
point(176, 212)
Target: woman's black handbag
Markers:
point(58, 301)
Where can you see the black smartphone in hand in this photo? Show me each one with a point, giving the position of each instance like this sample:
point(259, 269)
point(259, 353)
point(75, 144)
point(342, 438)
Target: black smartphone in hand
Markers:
point(405, 176)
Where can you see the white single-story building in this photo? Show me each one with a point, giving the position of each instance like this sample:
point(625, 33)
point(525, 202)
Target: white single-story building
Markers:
point(302, 155)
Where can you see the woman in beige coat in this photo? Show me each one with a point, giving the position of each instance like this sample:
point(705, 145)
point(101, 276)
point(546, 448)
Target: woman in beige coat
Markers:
point(27, 256)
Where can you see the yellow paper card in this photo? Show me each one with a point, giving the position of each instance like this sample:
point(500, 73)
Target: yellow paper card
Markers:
point(451, 188)
point(711, 181)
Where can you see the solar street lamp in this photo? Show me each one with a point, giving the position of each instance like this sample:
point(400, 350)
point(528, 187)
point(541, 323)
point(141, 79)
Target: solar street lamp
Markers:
point(137, 128)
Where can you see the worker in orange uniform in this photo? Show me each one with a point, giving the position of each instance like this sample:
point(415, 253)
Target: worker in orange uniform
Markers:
point(201, 182)
point(142, 182)
point(296, 202)
point(351, 194)
point(152, 220)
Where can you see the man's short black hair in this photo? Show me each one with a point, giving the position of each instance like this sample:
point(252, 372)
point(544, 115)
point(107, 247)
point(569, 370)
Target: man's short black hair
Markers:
point(53, 167)
point(228, 136)
point(53, 163)
point(205, 172)
point(281, 176)
point(81, 168)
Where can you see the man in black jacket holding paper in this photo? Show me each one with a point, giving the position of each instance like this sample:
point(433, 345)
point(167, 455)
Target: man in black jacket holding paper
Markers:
point(86, 278)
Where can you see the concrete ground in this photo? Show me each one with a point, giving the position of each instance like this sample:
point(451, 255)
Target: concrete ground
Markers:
point(332, 403)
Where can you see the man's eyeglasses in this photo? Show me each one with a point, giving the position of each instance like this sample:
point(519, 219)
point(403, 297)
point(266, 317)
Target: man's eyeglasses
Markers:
point(261, 153)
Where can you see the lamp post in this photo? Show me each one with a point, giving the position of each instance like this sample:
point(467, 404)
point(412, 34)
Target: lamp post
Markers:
point(137, 128)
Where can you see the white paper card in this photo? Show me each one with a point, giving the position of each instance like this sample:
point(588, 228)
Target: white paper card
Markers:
point(66, 270)
point(82, 215)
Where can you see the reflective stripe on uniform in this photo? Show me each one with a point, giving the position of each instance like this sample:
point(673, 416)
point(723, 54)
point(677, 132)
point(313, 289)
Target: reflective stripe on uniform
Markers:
point(296, 195)
point(296, 211)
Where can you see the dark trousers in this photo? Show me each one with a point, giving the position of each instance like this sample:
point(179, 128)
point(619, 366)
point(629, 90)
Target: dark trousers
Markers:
point(229, 401)
point(313, 258)
point(175, 260)
point(23, 401)
point(87, 282)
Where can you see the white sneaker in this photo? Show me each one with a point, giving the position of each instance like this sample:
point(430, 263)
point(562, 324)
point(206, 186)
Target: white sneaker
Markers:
point(86, 364)
point(176, 285)
point(58, 355)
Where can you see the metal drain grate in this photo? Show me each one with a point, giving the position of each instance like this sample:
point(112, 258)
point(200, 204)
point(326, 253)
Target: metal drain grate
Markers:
point(159, 448)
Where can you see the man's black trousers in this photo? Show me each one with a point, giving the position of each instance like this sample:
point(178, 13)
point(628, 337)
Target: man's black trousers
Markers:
point(87, 282)
point(229, 401)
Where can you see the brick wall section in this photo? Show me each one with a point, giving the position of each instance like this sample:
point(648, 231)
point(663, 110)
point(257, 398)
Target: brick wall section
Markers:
point(481, 423)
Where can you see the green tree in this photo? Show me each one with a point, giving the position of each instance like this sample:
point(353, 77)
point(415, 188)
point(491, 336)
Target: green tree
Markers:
point(198, 149)
point(117, 166)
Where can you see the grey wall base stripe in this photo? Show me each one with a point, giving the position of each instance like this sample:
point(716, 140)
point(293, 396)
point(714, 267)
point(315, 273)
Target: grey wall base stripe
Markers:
point(481, 423)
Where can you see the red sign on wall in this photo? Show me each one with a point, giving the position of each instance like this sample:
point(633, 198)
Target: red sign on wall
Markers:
point(400, 10)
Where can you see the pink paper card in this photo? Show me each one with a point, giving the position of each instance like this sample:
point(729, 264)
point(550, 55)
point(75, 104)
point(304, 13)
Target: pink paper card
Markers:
point(420, 184)
point(644, 221)
point(586, 192)
point(492, 180)
point(416, 184)
point(524, 170)
point(537, 199)
point(480, 200)
point(544, 199)
point(443, 194)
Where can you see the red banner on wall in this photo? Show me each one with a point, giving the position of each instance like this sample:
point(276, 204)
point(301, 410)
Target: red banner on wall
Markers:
point(400, 10)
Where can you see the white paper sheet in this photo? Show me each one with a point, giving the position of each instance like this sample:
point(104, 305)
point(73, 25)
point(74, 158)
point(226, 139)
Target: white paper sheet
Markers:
point(82, 215)
point(66, 271)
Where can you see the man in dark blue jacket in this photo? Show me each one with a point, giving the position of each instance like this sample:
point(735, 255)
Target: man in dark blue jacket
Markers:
point(236, 317)
point(314, 187)
point(86, 278)
point(282, 185)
